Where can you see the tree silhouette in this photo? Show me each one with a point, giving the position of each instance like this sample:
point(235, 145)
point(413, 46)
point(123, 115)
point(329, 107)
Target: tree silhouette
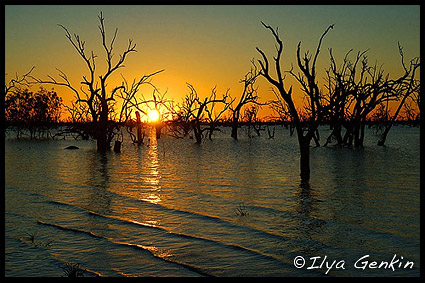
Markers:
point(252, 121)
point(191, 114)
point(35, 111)
point(307, 80)
point(179, 126)
point(94, 91)
point(402, 88)
point(338, 95)
point(17, 82)
point(214, 118)
point(249, 95)
point(357, 91)
point(133, 101)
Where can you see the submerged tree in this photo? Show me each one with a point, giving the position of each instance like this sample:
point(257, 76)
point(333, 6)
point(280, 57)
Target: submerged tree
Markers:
point(94, 91)
point(252, 120)
point(133, 101)
point(370, 90)
point(307, 79)
point(191, 114)
point(338, 95)
point(179, 125)
point(249, 95)
point(412, 109)
point(358, 91)
point(402, 88)
point(214, 116)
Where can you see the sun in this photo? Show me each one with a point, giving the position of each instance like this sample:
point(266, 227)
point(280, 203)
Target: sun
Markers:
point(153, 115)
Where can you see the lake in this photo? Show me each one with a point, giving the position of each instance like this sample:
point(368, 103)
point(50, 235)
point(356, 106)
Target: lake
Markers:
point(171, 207)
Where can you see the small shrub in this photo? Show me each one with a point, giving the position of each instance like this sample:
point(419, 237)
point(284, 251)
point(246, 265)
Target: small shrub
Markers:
point(241, 210)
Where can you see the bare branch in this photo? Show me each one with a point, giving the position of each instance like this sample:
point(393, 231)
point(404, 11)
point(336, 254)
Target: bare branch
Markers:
point(53, 81)
point(18, 81)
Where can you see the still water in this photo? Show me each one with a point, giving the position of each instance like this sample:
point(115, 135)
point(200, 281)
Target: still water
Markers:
point(223, 208)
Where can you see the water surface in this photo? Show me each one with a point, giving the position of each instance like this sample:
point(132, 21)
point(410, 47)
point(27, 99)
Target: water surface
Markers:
point(173, 208)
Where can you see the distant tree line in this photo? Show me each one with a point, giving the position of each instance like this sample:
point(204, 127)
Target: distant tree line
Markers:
point(28, 111)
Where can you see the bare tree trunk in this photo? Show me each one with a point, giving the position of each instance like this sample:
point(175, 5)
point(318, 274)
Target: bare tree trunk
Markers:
point(158, 128)
point(139, 129)
point(336, 132)
point(235, 132)
point(388, 126)
point(304, 161)
point(198, 133)
point(102, 128)
point(291, 129)
point(361, 138)
point(235, 129)
point(356, 134)
point(102, 144)
point(316, 137)
point(348, 137)
point(381, 141)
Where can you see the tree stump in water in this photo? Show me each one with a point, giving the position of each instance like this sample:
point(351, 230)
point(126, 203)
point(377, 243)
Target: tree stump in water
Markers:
point(117, 146)
point(139, 128)
point(118, 142)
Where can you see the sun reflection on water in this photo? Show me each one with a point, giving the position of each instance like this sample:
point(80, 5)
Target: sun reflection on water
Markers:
point(152, 176)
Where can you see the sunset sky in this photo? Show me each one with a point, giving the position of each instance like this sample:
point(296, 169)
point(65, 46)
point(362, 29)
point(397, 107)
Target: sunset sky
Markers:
point(205, 46)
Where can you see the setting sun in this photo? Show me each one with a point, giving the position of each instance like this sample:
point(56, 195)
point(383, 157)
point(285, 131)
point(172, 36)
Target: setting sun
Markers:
point(153, 115)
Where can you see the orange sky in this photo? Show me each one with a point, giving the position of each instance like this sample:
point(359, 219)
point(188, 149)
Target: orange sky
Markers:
point(205, 46)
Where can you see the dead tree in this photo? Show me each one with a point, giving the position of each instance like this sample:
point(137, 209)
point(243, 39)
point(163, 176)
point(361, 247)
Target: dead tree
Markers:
point(133, 101)
point(182, 116)
point(252, 121)
point(193, 108)
point(94, 92)
point(307, 79)
point(214, 118)
point(368, 92)
point(179, 125)
point(249, 95)
point(196, 113)
point(373, 87)
point(416, 100)
point(402, 88)
point(338, 95)
point(354, 91)
point(412, 109)
point(283, 115)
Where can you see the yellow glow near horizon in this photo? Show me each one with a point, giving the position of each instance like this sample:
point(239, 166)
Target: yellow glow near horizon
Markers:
point(153, 115)
point(179, 45)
